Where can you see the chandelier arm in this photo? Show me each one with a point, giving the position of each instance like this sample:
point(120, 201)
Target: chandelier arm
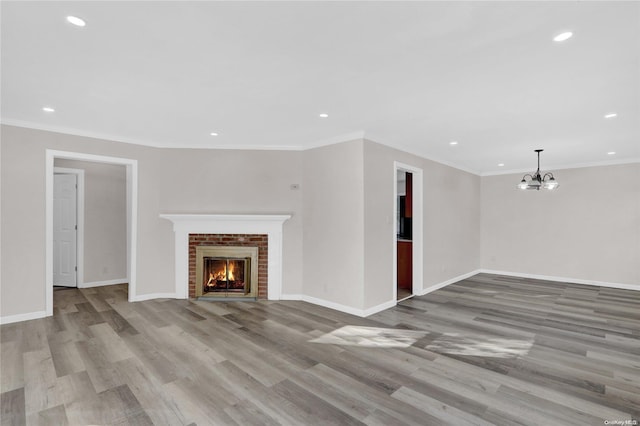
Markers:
point(538, 180)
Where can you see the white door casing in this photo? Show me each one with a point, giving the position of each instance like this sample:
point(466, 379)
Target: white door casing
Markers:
point(65, 230)
point(417, 228)
point(132, 219)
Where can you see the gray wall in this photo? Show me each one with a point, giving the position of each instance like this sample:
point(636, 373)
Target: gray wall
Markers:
point(343, 253)
point(348, 222)
point(451, 234)
point(233, 181)
point(589, 229)
point(333, 231)
point(105, 220)
point(258, 185)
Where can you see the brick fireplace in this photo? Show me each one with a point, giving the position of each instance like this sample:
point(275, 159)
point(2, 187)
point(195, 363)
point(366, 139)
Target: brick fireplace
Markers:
point(233, 230)
point(233, 241)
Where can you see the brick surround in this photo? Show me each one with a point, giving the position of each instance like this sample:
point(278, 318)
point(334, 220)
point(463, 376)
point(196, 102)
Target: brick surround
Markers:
point(238, 240)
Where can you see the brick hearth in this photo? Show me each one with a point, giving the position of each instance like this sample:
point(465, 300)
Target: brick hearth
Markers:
point(238, 240)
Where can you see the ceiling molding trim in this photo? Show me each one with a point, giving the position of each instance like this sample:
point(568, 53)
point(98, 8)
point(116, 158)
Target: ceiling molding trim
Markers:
point(240, 147)
point(446, 163)
point(75, 132)
point(113, 138)
point(428, 157)
point(345, 137)
point(565, 167)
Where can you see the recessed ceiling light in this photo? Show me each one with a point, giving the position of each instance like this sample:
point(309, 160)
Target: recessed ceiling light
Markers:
point(611, 115)
point(563, 36)
point(48, 109)
point(501, 165)
point(611, 153)
point(324, 115)
point(76, 21)
point(453, 143)
point(213, 134)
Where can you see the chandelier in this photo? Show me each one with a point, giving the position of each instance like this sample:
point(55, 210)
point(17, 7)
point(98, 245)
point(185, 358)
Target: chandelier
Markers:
point(537, 181)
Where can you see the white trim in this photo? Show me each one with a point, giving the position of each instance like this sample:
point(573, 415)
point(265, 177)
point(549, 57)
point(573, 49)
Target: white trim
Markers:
point(566, 166)
point(48, 237)
point(185, 224)
point(417, 245)
point(345, 137)
point(453, 280)
point(132, 216)
point(102, 283)
point(23, 317)
point(394, 233)
point(337, 306)
point(232, 220)
point(421, 154)
point(325, 142)
point(622, 286)
point(132, 229)
point(79, 220)
point(378, 308)
point(239, 147)
point(291, 297)
point(179, 144)
point(150, 296)
point(77, 132)
point(333, 305)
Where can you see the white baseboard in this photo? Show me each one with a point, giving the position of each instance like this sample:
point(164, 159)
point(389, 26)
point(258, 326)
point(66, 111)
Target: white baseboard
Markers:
point(143, 297)
point(333, 305)
point(291, 297)
point(379, 308)
point(323, 303)
point(449, 281)
point(101, 283)
point(563, 279)
point(339, 307)
point(374, 309)
point(8, 319)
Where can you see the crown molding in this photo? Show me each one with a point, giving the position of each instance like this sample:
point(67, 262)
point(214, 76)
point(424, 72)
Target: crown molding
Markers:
point(566, 166)
point(345, 137)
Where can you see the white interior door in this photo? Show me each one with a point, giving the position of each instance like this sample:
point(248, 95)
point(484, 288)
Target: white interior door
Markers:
point(65, 213)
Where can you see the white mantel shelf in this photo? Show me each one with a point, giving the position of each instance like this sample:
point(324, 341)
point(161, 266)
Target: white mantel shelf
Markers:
point(187, 218)
point(185, 224)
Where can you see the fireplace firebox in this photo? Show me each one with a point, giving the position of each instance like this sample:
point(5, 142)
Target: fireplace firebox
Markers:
point(223, 271)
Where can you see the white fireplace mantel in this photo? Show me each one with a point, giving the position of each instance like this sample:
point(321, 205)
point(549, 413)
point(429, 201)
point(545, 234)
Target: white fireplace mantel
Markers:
point(185, 224)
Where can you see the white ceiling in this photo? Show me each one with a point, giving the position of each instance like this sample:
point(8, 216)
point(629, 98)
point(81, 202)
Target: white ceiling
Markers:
point(412, 75)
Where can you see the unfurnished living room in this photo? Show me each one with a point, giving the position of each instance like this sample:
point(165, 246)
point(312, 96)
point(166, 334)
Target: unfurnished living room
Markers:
point(320, 213)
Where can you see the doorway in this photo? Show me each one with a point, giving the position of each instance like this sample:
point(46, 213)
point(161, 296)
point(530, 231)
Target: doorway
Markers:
point(407, 237)
point(404, 247)
point(131, 167)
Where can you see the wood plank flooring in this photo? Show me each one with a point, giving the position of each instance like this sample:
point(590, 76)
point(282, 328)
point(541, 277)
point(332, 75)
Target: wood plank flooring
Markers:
point(487, 350)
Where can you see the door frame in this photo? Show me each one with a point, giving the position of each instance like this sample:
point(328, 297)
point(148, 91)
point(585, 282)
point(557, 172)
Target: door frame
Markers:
point(79, 220)
point(417, 245)
point(132, 216)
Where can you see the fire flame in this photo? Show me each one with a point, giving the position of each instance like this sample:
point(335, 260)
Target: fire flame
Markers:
point(231, 267)
point(222, 274)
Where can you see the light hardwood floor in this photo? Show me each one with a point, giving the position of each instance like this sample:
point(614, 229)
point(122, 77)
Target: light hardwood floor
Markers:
point(486, 350)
